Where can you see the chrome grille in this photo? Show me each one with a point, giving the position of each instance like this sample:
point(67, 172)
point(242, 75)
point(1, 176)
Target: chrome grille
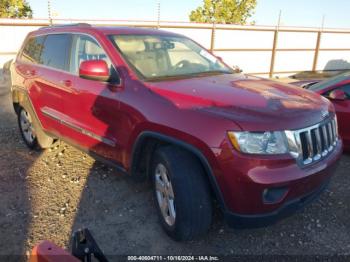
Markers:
point(313, 143)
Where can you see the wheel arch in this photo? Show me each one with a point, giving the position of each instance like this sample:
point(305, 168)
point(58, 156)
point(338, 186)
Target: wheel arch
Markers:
point(148, 141)
point(21, 99)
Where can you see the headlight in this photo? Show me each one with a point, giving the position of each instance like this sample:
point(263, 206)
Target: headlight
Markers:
point(259, 142)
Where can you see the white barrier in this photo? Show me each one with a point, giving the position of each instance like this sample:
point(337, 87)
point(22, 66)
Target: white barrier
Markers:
point(262, 50)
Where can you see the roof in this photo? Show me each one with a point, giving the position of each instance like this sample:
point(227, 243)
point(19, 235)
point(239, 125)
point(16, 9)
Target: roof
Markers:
point(83, 27)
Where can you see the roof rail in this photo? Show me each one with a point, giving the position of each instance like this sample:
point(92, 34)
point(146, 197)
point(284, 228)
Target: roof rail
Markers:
point(66, 25)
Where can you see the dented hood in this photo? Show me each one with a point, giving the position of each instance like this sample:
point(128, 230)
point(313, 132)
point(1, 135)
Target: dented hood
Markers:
point(255, 104)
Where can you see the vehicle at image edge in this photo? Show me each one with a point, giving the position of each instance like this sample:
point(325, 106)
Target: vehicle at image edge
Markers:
point(337, 90)
point(5, 74)
point(157, 105)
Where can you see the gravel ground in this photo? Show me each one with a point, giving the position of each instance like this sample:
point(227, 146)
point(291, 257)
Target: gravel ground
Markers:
point(50, 194)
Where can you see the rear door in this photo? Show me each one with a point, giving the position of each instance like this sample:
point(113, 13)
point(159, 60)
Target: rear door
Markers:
point(90, 106)
point(46, 88)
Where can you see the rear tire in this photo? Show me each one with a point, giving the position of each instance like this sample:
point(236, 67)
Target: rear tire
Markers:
point(26, 127)
point(31, 132)
point(182, 193)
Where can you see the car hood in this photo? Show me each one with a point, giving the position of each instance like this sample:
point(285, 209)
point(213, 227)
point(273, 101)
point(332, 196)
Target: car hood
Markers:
point(255, 104)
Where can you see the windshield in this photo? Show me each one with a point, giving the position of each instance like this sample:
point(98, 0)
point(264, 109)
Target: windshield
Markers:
point(330, 82)
point(159, 57)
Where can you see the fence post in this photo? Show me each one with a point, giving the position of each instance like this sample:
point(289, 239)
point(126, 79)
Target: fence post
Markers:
point(212, 40)
point(273, 55)
point(317, 51)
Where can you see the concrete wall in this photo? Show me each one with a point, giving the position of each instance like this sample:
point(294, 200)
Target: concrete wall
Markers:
point(249, 47)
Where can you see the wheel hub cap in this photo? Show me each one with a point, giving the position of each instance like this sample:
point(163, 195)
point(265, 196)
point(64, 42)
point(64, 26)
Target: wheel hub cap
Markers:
point(27, 126)
point(165, 194)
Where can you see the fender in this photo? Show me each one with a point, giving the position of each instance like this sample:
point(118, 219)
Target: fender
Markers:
point(136, 155)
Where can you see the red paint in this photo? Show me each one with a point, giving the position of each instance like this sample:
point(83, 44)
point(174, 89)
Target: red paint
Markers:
point(94, 68)
point(198, 111)
point(49, 252)
point(341, 106)
point(337, 95)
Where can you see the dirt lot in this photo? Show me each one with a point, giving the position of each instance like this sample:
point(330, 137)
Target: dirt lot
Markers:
point(48, 195)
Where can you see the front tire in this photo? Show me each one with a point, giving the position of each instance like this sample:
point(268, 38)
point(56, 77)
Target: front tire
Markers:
point(182, 193)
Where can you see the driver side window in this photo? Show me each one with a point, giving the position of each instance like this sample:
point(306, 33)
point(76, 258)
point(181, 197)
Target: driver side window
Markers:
point(86, 48)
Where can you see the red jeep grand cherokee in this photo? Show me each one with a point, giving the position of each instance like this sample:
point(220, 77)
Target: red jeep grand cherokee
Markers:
point(157, 105)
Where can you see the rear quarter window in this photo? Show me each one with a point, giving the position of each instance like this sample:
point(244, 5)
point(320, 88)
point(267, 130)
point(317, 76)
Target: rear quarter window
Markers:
point(32, 49)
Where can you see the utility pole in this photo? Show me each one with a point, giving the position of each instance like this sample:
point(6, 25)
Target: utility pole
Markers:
point(274, 47)
point(49, 11)
point(279, 19)
point(323, 20)
point(158, 14)
point(318, 45)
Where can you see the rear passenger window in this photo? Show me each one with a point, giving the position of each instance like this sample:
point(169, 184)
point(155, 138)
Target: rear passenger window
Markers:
point(56, 51)
point(32, 49)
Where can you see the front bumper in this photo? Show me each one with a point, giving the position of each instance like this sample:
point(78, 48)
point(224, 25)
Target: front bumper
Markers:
point(244, 181)
point(287, 209)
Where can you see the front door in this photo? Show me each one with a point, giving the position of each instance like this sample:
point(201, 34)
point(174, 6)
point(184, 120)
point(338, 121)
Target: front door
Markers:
point(90, 106)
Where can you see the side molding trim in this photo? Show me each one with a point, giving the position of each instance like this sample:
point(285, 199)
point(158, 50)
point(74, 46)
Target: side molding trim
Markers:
point(102, 139)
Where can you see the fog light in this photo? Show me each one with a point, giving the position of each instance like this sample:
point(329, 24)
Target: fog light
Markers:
point(274, 195)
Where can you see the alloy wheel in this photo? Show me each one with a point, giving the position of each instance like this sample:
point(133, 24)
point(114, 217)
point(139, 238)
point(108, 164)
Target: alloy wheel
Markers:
point(27, 127)
point(165, 194)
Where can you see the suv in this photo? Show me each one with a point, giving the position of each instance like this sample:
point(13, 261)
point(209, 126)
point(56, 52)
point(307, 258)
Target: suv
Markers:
point(157, 105)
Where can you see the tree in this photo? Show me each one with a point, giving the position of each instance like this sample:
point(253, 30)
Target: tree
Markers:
point(15, 9)
point(224, 11)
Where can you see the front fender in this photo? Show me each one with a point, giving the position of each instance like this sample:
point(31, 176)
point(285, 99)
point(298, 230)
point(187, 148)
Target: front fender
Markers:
point(204, 154)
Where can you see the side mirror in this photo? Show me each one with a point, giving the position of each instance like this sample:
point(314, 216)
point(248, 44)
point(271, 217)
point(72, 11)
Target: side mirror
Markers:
point(337, 95)
point(94, 70)
point(237, 69)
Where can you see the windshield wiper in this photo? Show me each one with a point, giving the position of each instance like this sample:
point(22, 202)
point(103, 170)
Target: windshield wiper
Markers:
point(204, 73)
point(214, 72)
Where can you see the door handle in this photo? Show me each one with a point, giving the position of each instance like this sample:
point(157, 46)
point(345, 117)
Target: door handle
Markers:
point(66, 83)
